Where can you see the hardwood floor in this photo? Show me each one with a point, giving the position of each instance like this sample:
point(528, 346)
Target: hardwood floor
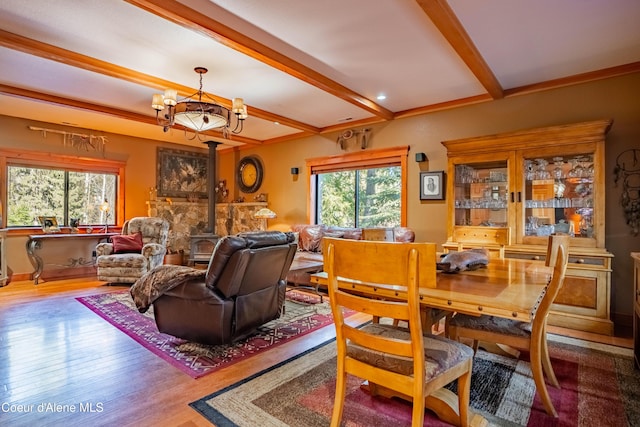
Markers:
point(55, 351)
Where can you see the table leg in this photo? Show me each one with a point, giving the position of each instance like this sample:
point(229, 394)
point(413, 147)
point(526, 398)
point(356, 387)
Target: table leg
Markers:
point(36, 261)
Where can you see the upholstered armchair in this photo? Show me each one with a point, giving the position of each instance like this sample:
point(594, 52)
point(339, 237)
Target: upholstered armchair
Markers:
point(243, 287)
point(138, 249)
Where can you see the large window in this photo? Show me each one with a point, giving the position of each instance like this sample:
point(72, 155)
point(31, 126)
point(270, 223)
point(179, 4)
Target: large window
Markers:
point(360, 198)
point(363, 189)
point(64, 194)
point(62, 187)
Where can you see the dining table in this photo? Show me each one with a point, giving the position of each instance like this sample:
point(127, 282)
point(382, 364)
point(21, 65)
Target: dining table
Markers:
point(508, 288)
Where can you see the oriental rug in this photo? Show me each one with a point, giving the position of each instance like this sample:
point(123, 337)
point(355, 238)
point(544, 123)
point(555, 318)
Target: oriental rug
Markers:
point(304, 313)
point(599, 386)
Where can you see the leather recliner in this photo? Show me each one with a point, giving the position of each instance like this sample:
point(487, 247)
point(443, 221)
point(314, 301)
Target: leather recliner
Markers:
point(244, 287)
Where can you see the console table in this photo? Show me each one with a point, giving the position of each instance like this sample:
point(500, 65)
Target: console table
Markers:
point(63, 256)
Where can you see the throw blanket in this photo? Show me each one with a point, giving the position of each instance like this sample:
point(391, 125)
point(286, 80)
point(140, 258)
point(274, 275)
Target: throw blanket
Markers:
point(153, 284)
point(464, 260)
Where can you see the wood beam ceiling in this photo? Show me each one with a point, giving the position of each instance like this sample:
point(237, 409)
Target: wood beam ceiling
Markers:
point(229, 37)
point(437, 10)
point(110, 111)
point(448, 24)
point(67, 57)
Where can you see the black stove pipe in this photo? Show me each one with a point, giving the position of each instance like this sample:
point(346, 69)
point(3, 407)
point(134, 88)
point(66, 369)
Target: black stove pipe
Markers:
point(211, 186)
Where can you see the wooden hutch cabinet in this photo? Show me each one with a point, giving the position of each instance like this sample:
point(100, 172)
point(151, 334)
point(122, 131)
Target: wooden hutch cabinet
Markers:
point(533, 183)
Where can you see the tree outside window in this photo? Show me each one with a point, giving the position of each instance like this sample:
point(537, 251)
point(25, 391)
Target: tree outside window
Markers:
point(65, 194)
point(360, 198)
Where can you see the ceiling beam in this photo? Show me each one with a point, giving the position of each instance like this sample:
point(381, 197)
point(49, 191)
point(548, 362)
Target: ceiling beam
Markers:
point(110, 111)
point(191, 19)
point(447, 105)
point(67, 57)
point(605, 73)
point(448, 24)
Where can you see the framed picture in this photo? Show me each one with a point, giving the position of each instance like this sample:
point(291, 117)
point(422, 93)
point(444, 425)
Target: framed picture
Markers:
point(181, 173)
point(49, 224)
point(432, 185)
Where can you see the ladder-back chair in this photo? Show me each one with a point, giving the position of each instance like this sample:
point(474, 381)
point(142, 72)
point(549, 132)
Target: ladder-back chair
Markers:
point(404, 360)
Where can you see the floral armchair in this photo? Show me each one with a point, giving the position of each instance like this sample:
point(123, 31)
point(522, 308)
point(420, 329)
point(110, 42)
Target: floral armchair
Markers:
point(138, 249)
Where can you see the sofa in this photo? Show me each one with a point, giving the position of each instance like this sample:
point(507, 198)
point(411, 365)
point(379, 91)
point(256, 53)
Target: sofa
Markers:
point(243, 288)
point(309, 239)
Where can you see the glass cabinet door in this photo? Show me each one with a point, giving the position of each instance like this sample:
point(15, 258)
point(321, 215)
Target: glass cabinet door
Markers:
point(558, 196)
point(481, 194)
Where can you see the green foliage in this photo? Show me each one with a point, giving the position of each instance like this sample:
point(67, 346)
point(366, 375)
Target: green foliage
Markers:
point(34, 192)
point(363, 198)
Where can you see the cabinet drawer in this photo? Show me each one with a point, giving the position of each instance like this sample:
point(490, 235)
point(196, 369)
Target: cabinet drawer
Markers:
point(574, 260)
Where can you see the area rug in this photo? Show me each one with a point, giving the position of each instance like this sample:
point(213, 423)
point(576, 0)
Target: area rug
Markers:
point(598, 387)
point(304, 313)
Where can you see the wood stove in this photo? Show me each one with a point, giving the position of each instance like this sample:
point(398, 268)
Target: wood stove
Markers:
point(202, 246)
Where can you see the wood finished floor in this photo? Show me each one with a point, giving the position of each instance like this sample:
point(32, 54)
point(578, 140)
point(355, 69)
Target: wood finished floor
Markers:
point(54, 350)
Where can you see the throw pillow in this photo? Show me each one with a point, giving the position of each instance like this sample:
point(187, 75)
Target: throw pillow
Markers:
point(127, 243)
point(310, 238)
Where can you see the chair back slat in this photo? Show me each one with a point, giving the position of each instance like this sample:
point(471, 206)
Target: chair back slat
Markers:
point(381, 344)
point(392, 309)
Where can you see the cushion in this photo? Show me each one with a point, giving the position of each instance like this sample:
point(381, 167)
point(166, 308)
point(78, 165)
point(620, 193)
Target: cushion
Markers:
point(310, 238)
point(225, 248)
point(493, 324)
point(441, 354)
point(470, 259)
point(127, 243)
point(262, 239)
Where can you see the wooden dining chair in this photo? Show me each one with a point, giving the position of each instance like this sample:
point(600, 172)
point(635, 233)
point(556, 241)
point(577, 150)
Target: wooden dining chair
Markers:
point(555, 240)
point(391, 358)
point(495, 239)
point(531, 336)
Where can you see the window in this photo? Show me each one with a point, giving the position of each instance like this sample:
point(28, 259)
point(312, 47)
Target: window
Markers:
point(64, 194)
point(360, 198)
point(61, 187)
point(365, 189)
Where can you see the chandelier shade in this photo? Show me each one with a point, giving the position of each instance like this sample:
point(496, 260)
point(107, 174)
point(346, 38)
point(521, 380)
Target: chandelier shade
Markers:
point(196, 112)
point(201, 116)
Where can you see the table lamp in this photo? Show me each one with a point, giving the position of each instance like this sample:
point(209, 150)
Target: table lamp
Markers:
point(104, 208)
point(265, 213)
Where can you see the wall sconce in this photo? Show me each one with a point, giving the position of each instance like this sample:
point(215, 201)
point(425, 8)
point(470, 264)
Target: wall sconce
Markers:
point(295, 171)
point(421, 157)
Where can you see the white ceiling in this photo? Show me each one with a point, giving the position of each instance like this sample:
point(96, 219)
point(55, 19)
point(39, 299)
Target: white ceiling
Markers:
point(311, 66)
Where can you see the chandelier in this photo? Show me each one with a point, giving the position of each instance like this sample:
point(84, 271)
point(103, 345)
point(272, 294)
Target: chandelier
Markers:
point(198, 112)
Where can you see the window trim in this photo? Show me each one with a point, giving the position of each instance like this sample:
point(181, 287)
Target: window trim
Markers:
point(396, 156)
point(9, 157)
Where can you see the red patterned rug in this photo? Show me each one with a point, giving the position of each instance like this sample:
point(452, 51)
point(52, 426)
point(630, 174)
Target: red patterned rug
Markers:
point(599, 387)
point(304, 313)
